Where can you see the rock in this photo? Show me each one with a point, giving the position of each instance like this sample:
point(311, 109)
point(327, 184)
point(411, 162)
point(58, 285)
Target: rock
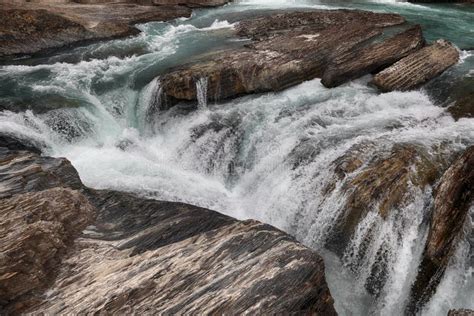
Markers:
point(287, 49)
point(463, 107)
point(30, 28)
point(140, 255)
point(36, 228)
point(356, 63)
point(15, 143)
point(384, 181)
point(453, 198)
point(418, 68)
point(461, 312)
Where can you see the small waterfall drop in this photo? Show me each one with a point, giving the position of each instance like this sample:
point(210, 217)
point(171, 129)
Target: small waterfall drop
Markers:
point(201, 92)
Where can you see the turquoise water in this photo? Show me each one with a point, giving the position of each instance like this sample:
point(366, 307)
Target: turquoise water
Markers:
point(96, 105)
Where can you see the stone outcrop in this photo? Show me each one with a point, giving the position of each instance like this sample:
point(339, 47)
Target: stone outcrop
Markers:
point(461, 312)
point(417, 68)
point(290, 48)
point(453, 198)
point(463, 107)
point(384, 182)
point(36, 228)
point(356, 63)
point(32, 27)
point(138, 255)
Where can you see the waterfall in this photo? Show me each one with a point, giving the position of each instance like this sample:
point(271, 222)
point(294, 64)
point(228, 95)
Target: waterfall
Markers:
point(270, 157)
point(201, 92)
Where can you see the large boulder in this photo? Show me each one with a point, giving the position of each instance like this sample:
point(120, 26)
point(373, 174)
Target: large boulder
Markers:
point(356, 63)
point(417, 68)
point(453, 198)
point(138, 255)
point(33, 27)
point(288, 49)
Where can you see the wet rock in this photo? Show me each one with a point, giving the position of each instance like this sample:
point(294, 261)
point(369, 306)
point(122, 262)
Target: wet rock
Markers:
point(453, 198)
point(356, 63)
point(288, 50)
point(461, 312)
point(32, 27)
point(12, 142)
point(36, 229)
point(418, 68)
point(463, 107)
point(139, 255)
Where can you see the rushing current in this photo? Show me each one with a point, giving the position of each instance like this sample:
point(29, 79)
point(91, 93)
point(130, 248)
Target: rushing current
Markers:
point(98, 106)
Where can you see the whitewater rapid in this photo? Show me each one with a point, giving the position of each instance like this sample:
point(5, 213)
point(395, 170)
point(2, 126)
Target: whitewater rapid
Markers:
point(268, 157)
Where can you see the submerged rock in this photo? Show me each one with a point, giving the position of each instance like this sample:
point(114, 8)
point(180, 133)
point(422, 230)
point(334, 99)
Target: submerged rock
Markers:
point(417, 68)
point(461, 312)
point(453, 198)
point(140, 255)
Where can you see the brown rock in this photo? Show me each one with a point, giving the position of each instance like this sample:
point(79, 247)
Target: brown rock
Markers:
point(295, 47)
point(461, 312)
point(138, 255)
point(30, 28)
point(418, 68)
point(463, 107)
point(453, 198)
point(36, 228)
point(356, 63)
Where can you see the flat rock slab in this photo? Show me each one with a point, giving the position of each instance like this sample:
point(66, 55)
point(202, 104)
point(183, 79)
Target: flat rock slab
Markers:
point(418, 68)
point(290, 48)
point(138, 255)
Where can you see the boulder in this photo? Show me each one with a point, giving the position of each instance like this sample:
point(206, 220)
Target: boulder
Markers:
point(139, 255)
point(356, 63)
point(417, 68)
point(33, 27)
point(461, 312)
point(453, 198)
point(287, 49)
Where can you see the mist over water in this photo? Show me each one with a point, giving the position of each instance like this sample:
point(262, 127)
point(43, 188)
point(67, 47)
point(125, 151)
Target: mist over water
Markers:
point(269, 157)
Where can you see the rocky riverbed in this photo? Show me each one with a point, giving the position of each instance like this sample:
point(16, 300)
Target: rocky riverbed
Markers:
point(342, 134)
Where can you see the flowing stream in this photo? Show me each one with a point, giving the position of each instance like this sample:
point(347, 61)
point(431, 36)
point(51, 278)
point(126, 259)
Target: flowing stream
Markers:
point(248, 158)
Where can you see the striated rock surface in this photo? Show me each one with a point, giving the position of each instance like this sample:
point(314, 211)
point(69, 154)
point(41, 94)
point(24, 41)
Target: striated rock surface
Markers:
point(29, 28)
point(417, 68)
point(288, 49)
point(384, 182)
point(36, 227)
point(461, 312)
point(453, 198)
point(139, 255)
point(356, 63)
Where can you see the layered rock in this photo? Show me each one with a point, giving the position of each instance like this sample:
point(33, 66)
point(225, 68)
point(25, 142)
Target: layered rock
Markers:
point(139, 255)
point(356, 63)
point(453, 198)
point(417, 68)
point(290, 48)
point(29, 28)
point(461, 312)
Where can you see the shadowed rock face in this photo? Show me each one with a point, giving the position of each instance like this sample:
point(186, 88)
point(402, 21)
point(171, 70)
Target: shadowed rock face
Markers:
point(454, 196)
point(417, 68)
point(32, 27)
point(288, 49)
point(356, 63)
point(461, 312)
point(139, 255)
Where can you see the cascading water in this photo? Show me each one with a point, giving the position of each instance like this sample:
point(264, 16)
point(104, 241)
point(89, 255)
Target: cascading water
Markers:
point(269, 157)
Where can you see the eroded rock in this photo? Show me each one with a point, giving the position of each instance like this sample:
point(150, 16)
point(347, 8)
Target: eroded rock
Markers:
point(36, 228)
point(287, 49)
point(417, 68)
point(140, 255)
point(453, 198)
